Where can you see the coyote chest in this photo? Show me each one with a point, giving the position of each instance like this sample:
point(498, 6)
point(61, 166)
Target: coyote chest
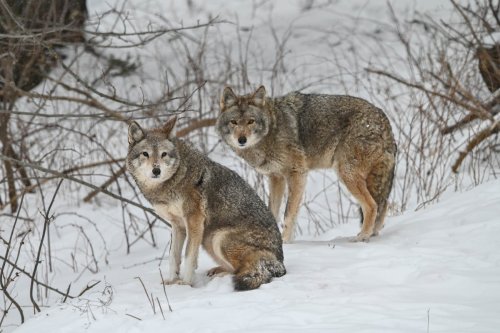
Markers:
point(264, 163)
point(171, 211)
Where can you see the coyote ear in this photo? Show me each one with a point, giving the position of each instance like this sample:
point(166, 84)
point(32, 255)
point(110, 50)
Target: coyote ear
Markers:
point(259, 96)
point(135, 133)
point(169, 126)
point(227, 99)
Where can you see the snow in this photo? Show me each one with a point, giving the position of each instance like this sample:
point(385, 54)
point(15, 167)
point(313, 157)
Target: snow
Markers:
point(436, 270)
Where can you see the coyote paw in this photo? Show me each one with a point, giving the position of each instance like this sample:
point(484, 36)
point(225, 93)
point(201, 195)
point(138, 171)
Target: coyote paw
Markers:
point(217, 271)
point(287, 238)
point(361, 238)
point(176, 281)
point(287, 234)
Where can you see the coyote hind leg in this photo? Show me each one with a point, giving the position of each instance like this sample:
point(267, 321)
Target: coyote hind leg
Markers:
point(357, 185)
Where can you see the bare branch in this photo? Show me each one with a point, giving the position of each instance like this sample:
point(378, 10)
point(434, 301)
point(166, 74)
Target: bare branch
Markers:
point(79, 181)
point(474, 142)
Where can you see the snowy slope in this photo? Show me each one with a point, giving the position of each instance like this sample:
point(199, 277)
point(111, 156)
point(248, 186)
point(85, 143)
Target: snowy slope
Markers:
point(434, 270)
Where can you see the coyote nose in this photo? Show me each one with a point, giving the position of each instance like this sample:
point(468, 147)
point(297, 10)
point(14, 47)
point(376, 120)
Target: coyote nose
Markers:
point(242, 140)
point(156, 171)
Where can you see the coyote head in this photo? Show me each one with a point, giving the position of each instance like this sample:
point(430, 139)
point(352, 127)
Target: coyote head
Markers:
point(243, 120)
point(152, 156)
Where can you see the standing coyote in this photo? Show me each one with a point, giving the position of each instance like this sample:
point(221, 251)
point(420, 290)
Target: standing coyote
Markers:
point(285, 137)
point(217, 208)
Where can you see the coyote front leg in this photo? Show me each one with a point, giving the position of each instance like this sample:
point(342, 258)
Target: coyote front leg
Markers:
point(194, 238)
point(178, 238)
point(296, 184)
point(276, 191)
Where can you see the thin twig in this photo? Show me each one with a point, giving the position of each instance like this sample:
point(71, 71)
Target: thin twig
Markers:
point(165, 291)
point(20, 269)
point(481, 113)
point(45, 226)
point(151, 300)
point(128, 314)
point(474, 142)
point(5, 260)
point(161, 309)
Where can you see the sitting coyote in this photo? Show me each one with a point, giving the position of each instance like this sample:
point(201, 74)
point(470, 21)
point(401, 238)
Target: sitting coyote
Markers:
point(285, 137)
point(209, 204)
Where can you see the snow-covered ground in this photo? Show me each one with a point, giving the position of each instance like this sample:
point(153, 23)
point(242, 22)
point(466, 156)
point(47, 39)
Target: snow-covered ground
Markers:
point(436, 269)
point(433, 270)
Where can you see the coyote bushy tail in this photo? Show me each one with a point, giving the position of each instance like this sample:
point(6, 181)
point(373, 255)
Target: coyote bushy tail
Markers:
point(258, 268)
point(380, 189)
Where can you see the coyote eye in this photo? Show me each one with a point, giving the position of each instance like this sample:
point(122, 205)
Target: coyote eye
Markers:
point(234, 122)
point(145, 154)
point(163, 154)
point(251, 121)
